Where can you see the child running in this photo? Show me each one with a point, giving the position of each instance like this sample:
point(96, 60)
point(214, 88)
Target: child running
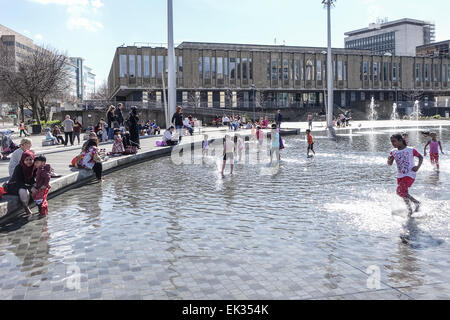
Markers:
point(205, 145)
point(310, 143)
point(404, 157)
point(434, 151)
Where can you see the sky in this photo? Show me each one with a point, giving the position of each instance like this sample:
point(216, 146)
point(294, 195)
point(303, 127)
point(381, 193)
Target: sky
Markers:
point(93, 29)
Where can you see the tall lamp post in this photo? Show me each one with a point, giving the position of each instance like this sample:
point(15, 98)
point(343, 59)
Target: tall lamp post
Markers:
point(171, 86)
point(329, 4)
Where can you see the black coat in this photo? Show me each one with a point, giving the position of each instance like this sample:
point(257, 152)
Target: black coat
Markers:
point(134, 128)
point(111, 119)
point(119, 116)
point(17, 181)
point(178, 118)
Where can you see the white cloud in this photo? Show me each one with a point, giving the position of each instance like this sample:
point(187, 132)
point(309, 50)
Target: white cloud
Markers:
point(82, 14)
point(38, 37)
point(83, 23)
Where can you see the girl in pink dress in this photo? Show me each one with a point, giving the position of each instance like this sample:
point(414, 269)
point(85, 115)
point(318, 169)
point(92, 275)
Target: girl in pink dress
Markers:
point(434, 150)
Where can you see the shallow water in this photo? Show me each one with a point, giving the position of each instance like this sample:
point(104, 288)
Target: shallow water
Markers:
point(159, 230)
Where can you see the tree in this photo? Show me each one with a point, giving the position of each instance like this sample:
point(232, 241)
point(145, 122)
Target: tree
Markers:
point(102, 93)
point(38, 77)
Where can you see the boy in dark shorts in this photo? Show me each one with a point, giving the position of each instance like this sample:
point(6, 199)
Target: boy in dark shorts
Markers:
point(310, 143)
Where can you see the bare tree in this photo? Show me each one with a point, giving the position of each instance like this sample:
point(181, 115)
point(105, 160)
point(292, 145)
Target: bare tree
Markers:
point(102, 92)
point(413, 94)
point(39, 77)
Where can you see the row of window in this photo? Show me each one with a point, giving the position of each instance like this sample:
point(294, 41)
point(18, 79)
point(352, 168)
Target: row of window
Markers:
point(217, 68)
point(378, 44)
point(140, 65)
point(295, 70)
point(388, 71)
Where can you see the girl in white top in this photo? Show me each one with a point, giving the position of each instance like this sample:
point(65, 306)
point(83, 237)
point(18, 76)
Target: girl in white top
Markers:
point(205, 145)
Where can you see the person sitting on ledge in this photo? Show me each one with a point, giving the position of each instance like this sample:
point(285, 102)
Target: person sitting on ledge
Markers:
point(156, 128)
point(168, 137)
point(49, 136)
point(129, 145)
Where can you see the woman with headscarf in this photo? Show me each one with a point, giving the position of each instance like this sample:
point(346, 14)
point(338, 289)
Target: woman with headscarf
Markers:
point(22, 180)
point(133, 123)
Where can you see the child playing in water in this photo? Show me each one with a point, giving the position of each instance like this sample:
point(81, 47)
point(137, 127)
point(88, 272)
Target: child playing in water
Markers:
point(228, 152)
point(275, 138)
point(404, 156)
point(205, 145)
point(434, 151)
point(43, 175)
point(310, 143)
point(259, 135)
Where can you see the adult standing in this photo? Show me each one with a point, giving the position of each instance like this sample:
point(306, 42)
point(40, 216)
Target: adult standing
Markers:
point(133, 120)
point(310, 120)
point(22, 180)
point(76, 130)
point(111, 118)
point(68, 130)
point(119, 117)
point(177, 121)
point(278, 118)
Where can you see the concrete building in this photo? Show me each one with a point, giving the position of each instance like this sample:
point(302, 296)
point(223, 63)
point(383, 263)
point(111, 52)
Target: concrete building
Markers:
point(399, 37)
point(16, 45)
point(436, 49)
point(216, 75)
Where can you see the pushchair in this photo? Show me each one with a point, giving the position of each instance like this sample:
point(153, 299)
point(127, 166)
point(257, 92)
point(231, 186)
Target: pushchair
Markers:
point(8, 146)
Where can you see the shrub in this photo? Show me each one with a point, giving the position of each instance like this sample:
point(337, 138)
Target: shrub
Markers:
point(438, 116)
point(49, 124)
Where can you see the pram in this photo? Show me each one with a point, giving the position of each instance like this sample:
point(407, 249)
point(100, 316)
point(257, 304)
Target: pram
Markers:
point(8, 146)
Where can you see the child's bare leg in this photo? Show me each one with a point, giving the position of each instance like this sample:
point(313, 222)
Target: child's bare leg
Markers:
point(231, 164)
point(223, 166)
point(415, 201)
point(408, 205)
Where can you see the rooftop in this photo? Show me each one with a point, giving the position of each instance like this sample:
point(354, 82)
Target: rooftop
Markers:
point(389, 24)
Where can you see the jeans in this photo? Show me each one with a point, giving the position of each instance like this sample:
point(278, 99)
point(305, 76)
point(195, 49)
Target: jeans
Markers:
point(76, 135)
point(179, 131)
point(98, 169)
point(110, 133)
point(68, 134)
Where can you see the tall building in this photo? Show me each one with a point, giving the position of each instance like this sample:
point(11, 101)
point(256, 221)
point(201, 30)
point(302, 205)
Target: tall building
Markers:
point(82, 78)
point(399, 37)
point(222, 75)
point(16, 45)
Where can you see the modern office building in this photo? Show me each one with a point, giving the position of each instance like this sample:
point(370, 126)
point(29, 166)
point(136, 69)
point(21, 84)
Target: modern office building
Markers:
point(82, 78)
point(399, 37)
point(238, 75)
point(436, 49)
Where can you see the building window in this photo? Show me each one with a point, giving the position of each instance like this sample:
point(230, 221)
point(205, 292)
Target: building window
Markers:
point(436, 73)
point(385, 73)
point(180, 67)
point(280, 69)
point(345, 71)
point(207, 67)
point(225, 68)
point(296, 70)
point(274, 70)
point(285, 69)
point(210, 99)
point(444, 73)
point(132, 65)
point(250, 68)
point(365, 70)
point(363, 96)
point(244, 69)
point(232, 68)
point(123, 66)
point(213, 67)
point(139, 67)
point(448, 73)
point(146, 66)
point(309, 71)
point(219, 68)
point(302, 77)
point(427, 78)
point(394, 72)
point(200, 67)
point(160, 66)
point(319, 70)
point(340, 77)
point(375, 71)
point(353, 96)
point(268, 69)
point(234, 99)
point(238, 66)
point(418, 72)
point(222, 99)
point(153, 67)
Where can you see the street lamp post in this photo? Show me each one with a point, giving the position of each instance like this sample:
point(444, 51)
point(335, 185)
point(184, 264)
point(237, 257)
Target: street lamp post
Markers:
point(328, 4)
point(171, 86)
